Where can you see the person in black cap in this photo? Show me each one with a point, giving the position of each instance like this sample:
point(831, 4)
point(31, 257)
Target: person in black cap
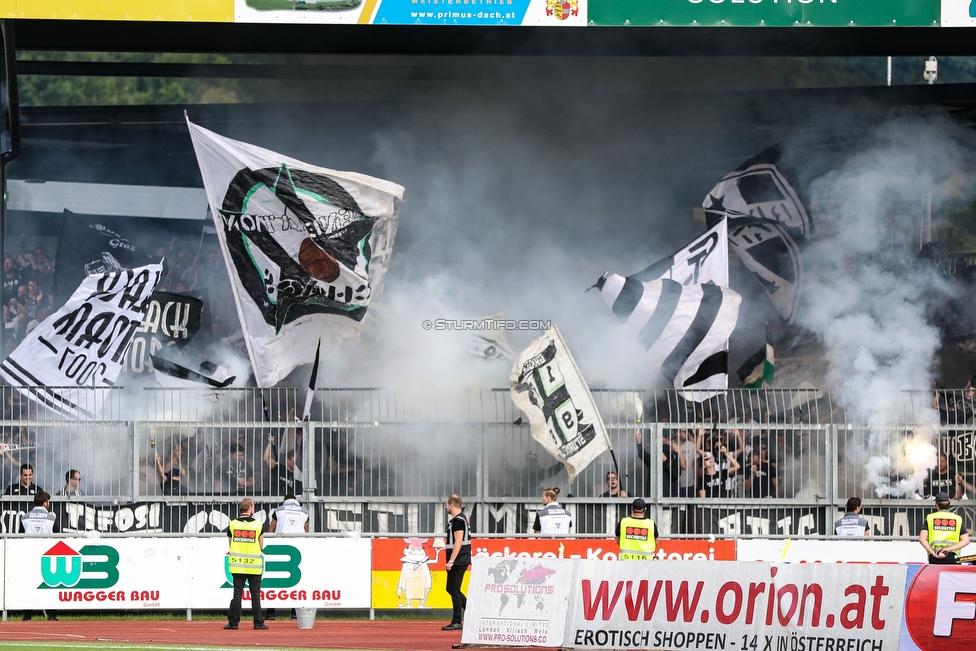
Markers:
point(637, 534)
point(944, 534)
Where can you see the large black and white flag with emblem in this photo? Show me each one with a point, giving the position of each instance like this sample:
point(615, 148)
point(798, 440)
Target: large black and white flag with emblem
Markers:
point(67, 361)
point(306, 247)
point(768, 221)
point(549, 389)
point(684, 328)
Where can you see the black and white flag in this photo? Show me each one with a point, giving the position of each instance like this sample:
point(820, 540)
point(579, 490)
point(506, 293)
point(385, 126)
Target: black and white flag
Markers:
point(684, 328)
point(549, 389)
point(171, 375)
point(306, 247)
point(90, 248)
point(81, 348)
point(704, 260)
point(767, 222)
point(172, 321)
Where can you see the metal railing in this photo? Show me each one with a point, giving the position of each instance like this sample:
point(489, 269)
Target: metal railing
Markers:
point(377, 460)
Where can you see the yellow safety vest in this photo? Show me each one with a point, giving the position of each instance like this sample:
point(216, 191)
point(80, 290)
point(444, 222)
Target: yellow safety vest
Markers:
point(637, 541)
point(945, 529)
point(245, 548)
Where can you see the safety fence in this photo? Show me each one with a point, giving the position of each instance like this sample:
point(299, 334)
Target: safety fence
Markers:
point(380, 460)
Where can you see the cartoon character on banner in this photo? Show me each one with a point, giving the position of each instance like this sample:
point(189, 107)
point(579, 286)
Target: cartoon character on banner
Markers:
point(415, 578)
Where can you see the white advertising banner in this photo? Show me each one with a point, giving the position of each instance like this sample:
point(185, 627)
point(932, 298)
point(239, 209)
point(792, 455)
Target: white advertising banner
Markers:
point(298, 573)
point(731, 605)
point(851, 550)
point(93, 574)
point(517, 601)
point(178, 573)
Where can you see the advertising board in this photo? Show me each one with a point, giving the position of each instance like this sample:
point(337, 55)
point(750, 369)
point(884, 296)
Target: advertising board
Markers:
point(409, 572)
point(178, 573)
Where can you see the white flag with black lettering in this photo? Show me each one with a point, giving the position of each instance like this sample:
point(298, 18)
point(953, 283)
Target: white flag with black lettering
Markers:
point(549, 389)
point(768, 222)
point(705, 260)
point(684, 328)
point(67, 361)
point(306, 247)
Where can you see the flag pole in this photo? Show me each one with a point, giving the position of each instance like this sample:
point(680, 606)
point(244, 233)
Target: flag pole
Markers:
point(307, 411)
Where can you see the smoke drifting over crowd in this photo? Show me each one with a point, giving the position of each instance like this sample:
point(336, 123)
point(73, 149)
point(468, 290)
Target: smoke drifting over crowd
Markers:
point(518, 198)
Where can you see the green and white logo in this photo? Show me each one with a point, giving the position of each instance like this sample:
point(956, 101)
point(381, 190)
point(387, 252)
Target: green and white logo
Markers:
point(92, 567)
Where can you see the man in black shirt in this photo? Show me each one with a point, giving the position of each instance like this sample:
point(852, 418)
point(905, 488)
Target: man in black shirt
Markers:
point(26, 484)
point(281, 476)
point(613, 486)
point(761, 481)
point(11, 279)
point(459, 557)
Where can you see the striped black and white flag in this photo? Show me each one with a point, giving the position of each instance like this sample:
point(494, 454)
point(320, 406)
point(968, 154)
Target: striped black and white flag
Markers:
point(684, 328)
point(704, 260)
point(767, 223)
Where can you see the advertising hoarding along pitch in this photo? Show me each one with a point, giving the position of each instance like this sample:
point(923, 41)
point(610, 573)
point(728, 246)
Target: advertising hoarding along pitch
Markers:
point(409, 572)
point(177, 573)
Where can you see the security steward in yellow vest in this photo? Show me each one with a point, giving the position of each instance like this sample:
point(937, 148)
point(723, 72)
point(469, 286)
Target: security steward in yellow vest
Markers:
point(246, 564)
point(637, 535)
point(943, 535)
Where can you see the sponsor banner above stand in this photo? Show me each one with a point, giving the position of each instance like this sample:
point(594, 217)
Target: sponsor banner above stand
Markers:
point(555, 13)
point(958, 13)
point(177, 573)
point(768, 13)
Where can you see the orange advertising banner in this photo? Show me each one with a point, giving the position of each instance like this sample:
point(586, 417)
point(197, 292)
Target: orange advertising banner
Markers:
point(409, 572)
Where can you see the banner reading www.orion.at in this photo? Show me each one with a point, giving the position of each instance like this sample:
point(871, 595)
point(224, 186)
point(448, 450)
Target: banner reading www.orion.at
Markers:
point(687, 605)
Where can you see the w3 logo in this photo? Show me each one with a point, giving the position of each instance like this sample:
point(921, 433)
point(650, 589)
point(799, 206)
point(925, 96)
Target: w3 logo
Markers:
point(63, 567)
point(282, 567)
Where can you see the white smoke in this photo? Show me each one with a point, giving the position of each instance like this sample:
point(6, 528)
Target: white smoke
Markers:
point(870, 298)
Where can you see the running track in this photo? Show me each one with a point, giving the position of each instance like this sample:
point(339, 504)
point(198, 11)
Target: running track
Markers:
point(327, 634)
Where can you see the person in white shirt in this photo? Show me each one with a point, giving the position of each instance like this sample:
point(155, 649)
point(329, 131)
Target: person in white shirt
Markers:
point(852, 524)
point(552, 519)
point(290, 517)
point(36, 522)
